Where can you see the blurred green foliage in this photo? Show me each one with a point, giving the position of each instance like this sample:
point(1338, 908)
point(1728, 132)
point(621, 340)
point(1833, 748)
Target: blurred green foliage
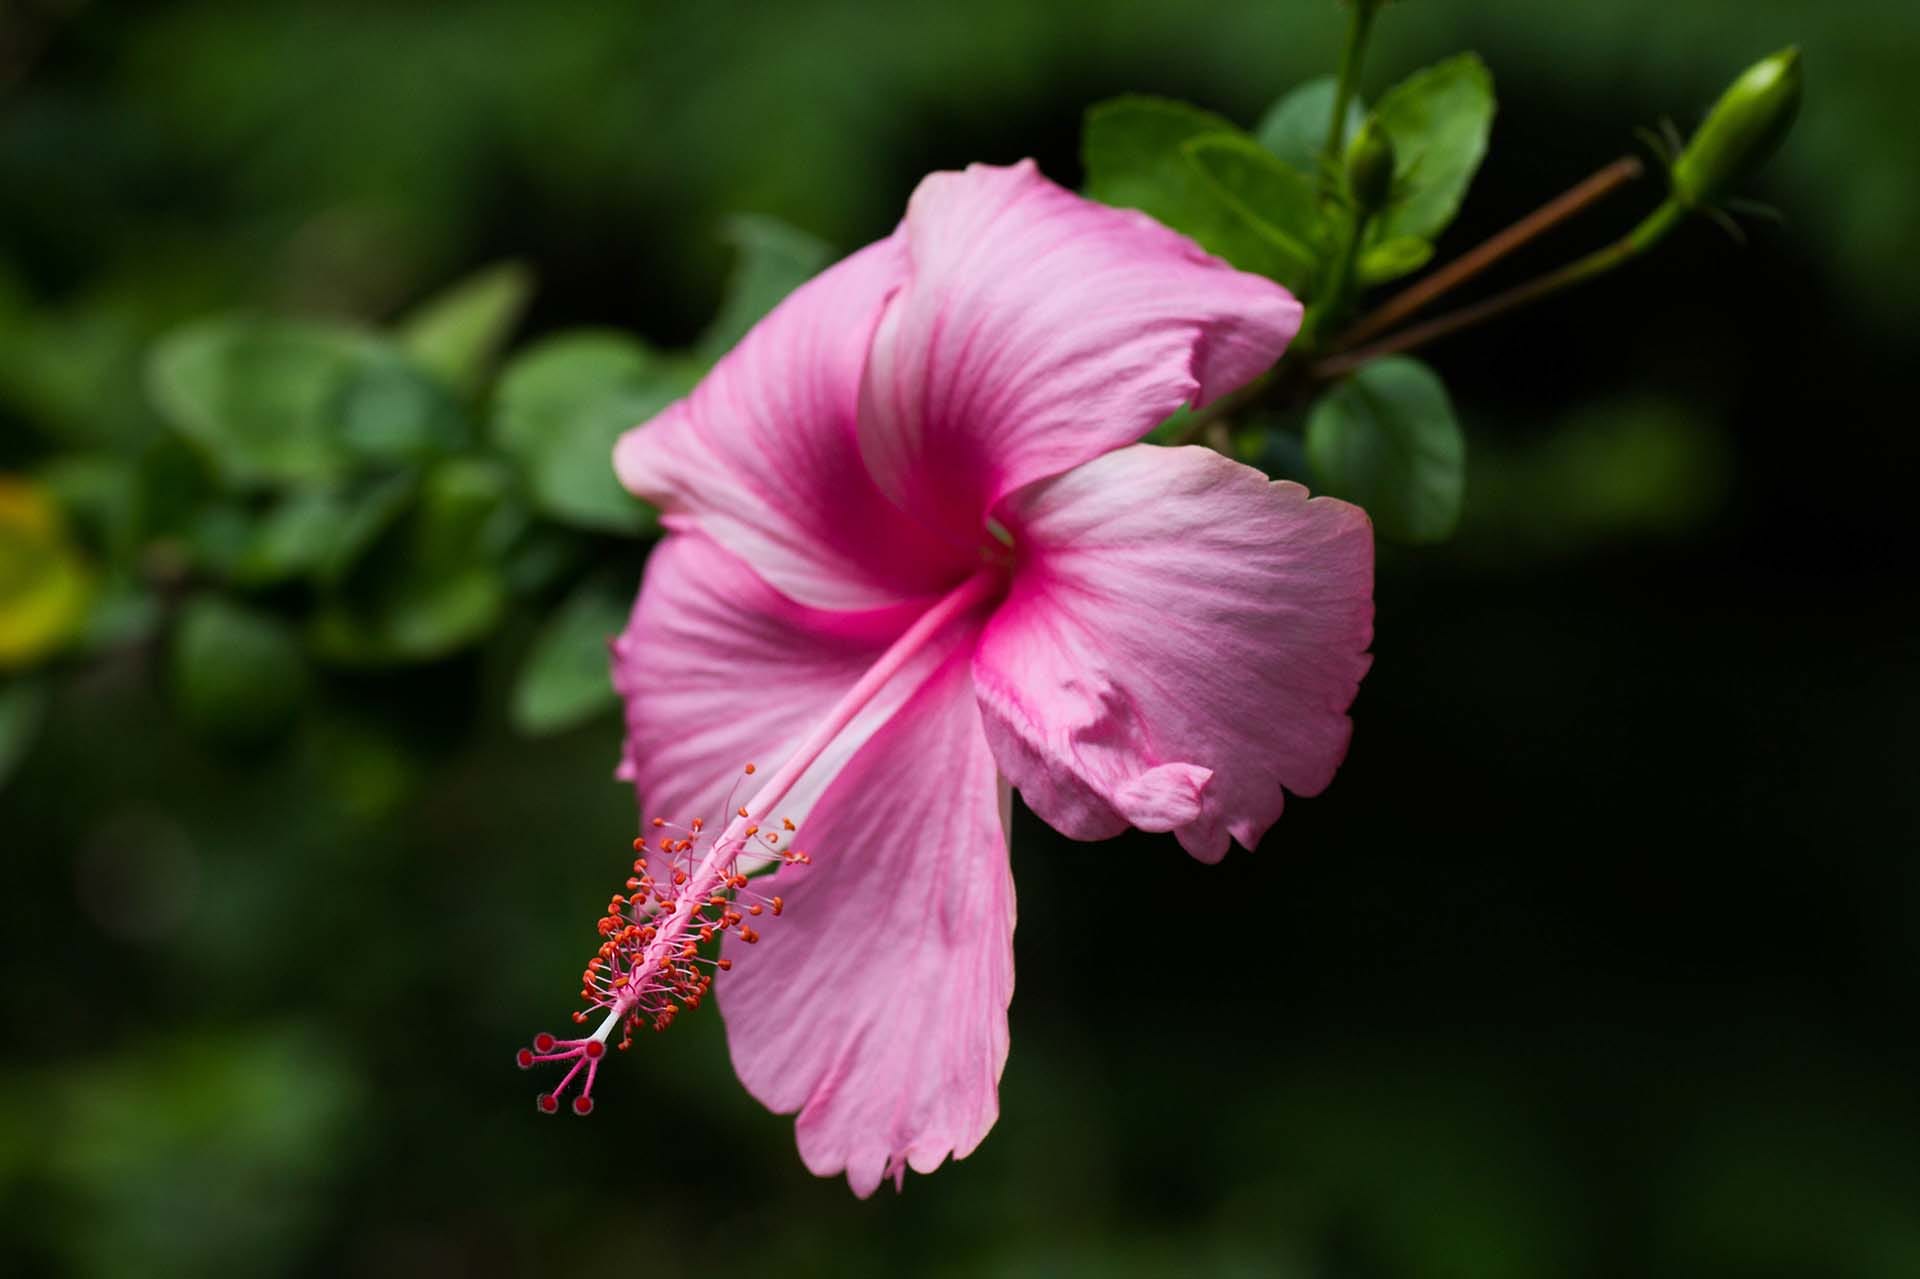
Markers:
point(1591, 962)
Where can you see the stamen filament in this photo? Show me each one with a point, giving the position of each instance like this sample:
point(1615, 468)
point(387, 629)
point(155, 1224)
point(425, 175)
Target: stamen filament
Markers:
point(955, 604)
point(646, 966)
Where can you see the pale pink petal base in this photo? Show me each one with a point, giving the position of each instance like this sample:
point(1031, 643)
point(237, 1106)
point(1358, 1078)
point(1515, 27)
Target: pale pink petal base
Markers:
point(719, 670)
point(876, 1005)
point(1181, 642)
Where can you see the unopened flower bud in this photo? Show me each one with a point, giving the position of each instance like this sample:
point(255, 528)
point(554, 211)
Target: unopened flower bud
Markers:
point(1370, 167)
point(1745, 127)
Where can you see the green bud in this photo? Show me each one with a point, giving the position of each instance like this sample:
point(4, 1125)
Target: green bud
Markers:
point(1745, 127)
point(1370, 167)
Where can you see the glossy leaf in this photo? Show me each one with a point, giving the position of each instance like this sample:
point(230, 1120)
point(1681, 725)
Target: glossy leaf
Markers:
point(566, 679)
point(1295, 127)
point(1135, 150)
point(260, 397)
point(559, 409)
point(367, 516)
point(1391, 259)
point(388, 413)
point(1278, 202)
point(1438, 120)
point(1386, 439)
point(432, 584)
point(315, 533)
point(457, 335)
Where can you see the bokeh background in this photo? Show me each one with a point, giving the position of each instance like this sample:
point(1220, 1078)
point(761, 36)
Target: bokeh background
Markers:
point(1601, 956)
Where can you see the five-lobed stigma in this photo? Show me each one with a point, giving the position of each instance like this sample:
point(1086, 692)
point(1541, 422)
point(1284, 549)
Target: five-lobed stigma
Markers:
point(686, 890)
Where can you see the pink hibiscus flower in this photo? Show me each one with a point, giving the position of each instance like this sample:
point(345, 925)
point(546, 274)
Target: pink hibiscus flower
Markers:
point(916, 555)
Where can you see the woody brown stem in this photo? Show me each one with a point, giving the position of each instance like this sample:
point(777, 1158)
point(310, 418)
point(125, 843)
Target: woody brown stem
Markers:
point(1643, 237)
point(1576, 199)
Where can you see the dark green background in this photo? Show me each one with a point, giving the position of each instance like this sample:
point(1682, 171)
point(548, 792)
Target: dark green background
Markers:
point(1601, 957)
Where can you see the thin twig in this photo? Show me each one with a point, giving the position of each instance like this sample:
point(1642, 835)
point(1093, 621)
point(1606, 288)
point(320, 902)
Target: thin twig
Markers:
point(1643, 237)
point(1576, 199)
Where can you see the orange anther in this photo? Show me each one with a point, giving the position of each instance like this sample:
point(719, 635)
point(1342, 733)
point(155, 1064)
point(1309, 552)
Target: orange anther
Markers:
point(639, 845)
point(696, 824)
point(749, 770)
point(754, 909)
point(658, 822)
point(742, 810)
point(787, 822)
point(724, 964)
point(778, 905)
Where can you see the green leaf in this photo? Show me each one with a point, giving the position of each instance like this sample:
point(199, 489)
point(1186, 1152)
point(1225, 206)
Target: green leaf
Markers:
point(318, 533)
point(1391, 259)
point(100, 493)
point(23, 705)
point(566, 679)
point(275, 403)
point(457, 335)
point(433, 584)
point(390, 413)
point(1135, 153)
point(259, 396)
point(1438, 120)
point(559, 409)
point(237, 673)
point(367, 516)
point(218, 538)
point(774, 260)
point(1386, 438)
point(437, 617)
point(1295, 127)
point(1279, 203)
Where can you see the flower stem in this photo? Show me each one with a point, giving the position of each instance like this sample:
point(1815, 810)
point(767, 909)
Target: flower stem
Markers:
point(1416, 298)
point(1638, 241)
point(1358, 28)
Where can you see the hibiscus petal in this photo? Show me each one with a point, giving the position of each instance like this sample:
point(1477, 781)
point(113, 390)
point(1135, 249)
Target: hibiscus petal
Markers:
point(1181, 640)
point(719, 670)
point(876, 1005)
point(1037, 330)
point(763, 456)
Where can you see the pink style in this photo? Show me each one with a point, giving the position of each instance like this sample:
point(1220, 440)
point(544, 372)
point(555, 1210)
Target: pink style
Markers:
point(916, 560)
